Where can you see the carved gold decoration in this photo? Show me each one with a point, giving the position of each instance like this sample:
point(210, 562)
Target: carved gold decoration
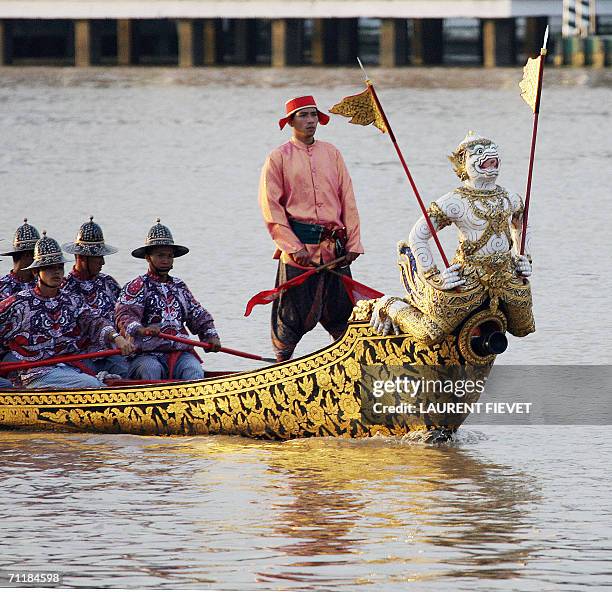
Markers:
point(318, 395)
point(465, 335)
point(435, 213)
point(435, 313)
point(361, 109)
point(529, 82)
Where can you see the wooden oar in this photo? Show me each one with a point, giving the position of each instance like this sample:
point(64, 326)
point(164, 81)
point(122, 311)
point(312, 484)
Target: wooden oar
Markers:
point(6, 367)
point(227, 350)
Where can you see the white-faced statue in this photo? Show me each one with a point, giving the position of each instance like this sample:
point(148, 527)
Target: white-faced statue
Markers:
point(476, 158)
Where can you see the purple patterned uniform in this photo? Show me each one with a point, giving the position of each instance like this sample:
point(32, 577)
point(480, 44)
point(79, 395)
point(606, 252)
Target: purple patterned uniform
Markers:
point(171, 305)
point(11, 284)
point(100, 293)
point(33, 328)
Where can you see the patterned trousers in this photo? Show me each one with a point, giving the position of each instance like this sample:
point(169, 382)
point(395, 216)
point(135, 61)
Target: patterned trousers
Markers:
point(322, 298)
point(155, 367)
point(64, 377)
point(112, 364)
point(60, 376)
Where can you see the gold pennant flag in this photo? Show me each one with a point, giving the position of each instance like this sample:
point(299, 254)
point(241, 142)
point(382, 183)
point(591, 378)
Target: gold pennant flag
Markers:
point(361, 109)
point(529, 83)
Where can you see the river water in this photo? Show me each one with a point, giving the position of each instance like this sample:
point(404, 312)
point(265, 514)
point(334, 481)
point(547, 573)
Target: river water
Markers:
point(509, 508)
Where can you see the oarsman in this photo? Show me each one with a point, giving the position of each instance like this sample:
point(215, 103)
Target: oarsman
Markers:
point(307, 201)
point(157, 302)
point(4, 382)
point(44, 322)
point(98, 290)
point(19, 278)
point(23, 254)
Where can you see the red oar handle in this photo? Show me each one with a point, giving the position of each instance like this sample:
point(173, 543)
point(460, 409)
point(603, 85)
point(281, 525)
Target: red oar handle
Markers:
point(12, 366)
point(227, 350)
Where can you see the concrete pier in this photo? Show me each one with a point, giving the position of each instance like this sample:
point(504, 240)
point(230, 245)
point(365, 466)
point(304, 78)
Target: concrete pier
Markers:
point(287, 42)
point(82, 43)
point(3, 44)
point(393, 49)
point(335, 41)
point(186, 42)
point(320, 43)
point(498, 42)
point(212, 42)
point(595, 51)
point(192, 33)
point(124, 42)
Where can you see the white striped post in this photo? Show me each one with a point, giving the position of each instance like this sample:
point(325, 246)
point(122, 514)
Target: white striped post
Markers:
point(579, 18)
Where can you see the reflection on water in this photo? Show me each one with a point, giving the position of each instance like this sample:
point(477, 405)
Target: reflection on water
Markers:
point(442, 496)
point(324, 503)
point(308, 515)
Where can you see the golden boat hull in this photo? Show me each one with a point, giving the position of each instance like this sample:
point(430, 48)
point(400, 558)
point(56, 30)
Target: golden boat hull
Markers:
point(320, 394)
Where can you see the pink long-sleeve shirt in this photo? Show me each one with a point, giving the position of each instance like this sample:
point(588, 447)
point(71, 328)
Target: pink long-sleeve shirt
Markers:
point(309, 183)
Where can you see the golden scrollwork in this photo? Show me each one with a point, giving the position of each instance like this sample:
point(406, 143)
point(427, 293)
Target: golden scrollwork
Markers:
point(318, 395)
point(435, 212)
point(529, 82)
point(361, 109)
point(467, 331)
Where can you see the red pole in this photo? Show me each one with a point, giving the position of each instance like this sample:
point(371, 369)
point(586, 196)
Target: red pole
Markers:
point(227, 350)
point(407, 171)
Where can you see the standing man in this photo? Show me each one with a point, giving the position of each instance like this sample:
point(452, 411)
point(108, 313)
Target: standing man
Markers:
point(44, 322)
point(98, 290)
point(156, 303)
point(307, 201)
point(23, 254)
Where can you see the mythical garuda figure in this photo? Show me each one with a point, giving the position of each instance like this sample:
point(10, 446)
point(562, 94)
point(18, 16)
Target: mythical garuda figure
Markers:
point(487, 265)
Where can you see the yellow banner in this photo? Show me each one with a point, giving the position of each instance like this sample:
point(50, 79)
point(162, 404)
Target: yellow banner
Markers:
point(529, 83)
point(361, 109)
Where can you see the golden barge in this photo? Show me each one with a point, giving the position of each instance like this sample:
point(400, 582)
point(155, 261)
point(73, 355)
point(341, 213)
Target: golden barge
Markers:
point(322, 394)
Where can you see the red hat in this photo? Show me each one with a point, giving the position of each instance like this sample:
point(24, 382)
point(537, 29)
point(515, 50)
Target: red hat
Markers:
point(294, 105)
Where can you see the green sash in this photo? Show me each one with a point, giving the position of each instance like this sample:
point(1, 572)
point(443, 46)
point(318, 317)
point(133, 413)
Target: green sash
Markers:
point(309, 234)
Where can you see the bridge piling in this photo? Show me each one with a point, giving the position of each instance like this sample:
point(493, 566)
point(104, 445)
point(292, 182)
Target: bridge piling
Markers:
point(193, 38)
point(82, 43)
point(319, 43)
point(125, 47)
point(212, 42)
point(185, 29)
point(498, 42)
point(4, 58)
point(287, 42)
point(393, 42)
